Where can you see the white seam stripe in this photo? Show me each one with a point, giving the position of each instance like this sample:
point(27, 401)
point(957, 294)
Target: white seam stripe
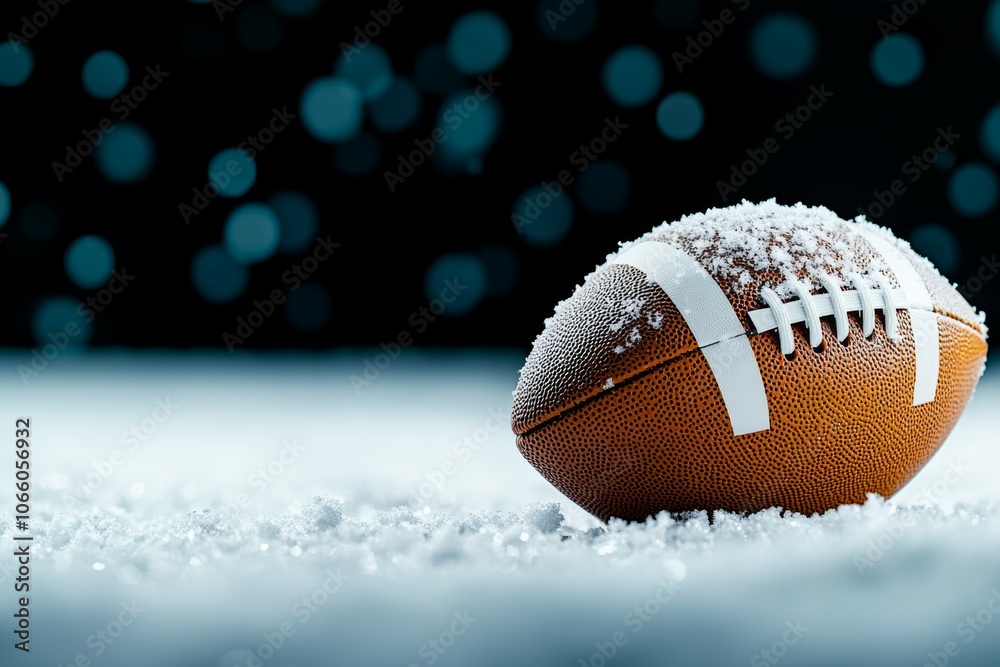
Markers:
point(716, 328)
point(925, 336)
point(923, 320)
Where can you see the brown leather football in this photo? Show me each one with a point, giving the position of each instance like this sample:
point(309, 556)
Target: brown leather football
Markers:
point(748, 357)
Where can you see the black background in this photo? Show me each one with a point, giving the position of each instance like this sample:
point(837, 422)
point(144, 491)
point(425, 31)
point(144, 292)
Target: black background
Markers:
point(552, 102)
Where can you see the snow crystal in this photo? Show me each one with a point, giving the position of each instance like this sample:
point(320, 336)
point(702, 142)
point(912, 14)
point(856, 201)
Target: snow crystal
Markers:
point(738, 242)
point(546, 517)
point(324, 513)
point(746, 237)
point(884, 583)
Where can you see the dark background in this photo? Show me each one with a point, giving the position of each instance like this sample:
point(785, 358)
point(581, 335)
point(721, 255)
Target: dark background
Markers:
point(552, 101)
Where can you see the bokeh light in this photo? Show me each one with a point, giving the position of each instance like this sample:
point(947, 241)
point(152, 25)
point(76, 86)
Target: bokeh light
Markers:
point(252, 233)
point(993, 26)
point(478, 42)
point(938, 244)
point(502, 266)
point(397, 108)
point(105, 74)
point(470, 125)
point(632, 76)
point(38, 220)
point(435, 72)
point(233, 172)
point(89, 261)
point(4, 204)
point(897, 60)
point(126, 155)
point(308, 308)
point(297, 8)
point(676, 15)
point(458, 277)
point(946, 160)
point(259, 29)
point(542, 218)
point(332, 109)
point(989, 133)
point(564, 21)
point(298, 220)
point(369, 69)
point(972, 189)
point(604, 188)
point(216, 276)
point(783, 45)
point(358, 156)
point(54, 324)
point(16, 63)
point(680, 116)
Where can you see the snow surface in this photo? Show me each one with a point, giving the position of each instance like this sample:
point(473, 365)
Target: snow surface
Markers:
point(344, 558)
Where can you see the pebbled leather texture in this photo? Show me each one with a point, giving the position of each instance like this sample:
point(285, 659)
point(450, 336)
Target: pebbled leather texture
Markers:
point(617, 406)
point(842, 425)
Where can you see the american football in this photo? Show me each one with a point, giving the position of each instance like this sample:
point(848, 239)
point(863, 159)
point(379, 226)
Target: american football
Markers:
point(748, 357)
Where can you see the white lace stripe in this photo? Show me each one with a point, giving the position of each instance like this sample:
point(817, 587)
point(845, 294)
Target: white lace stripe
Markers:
point(812, 317)
point(716, 328)
point(764, 318)
point(888, 309)
point(832, 287)
point(867, 303)
point(782, 322)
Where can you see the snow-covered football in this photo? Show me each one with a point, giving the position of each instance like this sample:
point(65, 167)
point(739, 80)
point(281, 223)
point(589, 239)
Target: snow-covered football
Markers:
point(748, 357)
